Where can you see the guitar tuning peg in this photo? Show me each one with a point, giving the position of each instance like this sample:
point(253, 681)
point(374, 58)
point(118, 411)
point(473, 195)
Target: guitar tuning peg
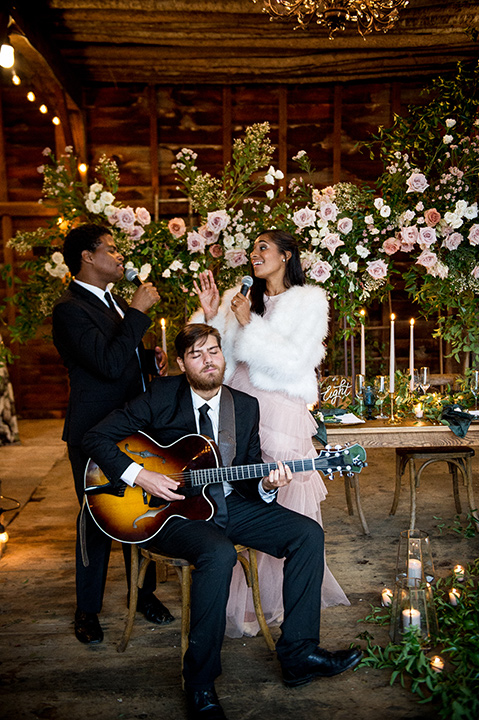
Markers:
point(338, 447)
point(348, 467)
point(328, 447)
point(350, 474)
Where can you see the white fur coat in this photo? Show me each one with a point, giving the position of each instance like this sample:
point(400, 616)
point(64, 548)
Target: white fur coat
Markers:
point(282, 349)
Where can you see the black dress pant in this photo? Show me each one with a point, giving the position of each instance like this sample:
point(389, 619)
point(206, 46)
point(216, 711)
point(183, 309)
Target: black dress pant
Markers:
point(269, 528)
point(90, 579)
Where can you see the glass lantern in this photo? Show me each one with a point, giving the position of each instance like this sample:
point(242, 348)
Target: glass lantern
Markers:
point(413, 607)
point(414, 557)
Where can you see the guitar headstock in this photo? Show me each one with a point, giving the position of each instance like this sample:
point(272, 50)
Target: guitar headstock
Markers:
point(347, 458)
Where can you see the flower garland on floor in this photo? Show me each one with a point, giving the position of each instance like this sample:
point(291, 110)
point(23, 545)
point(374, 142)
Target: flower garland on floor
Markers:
point(424, 212)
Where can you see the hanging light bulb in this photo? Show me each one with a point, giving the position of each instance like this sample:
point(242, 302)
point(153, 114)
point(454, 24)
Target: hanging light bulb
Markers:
point(15, 79)
point(56, 120)
point(7, 56)
point(82, 168)
point(43, 109)
point(31, 96)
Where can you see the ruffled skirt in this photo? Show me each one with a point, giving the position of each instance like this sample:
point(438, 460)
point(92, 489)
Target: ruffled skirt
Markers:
point(286, 430)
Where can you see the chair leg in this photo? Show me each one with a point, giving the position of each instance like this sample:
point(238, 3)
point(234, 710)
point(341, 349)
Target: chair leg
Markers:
point(472, 501)
point(253, 571)
point(348, 496)
point(356, 487)
point(132, 607)
point(413, 493)
point(398, 484)
point(456, 497)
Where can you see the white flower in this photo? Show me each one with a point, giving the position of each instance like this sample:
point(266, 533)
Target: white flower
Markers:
point(471, 212)
point(353, 266)
point(369, 219)
point(299, 155)
point(385, 211)
point(96, 188)
point(46, 151)
point(57, 258)
point(40, 169)
point(453, 220)
point(450, 122)
point(269, 179)
point(344, 259)
point(107, 198)
point(166, 273)
point(447, 139)
point(279, 175)
point(109, 210)
point(362, 251)
point(270, 194)
point(176, 265)
point(145, 271)
point(194, 266)
point(461, 207)
point(378, 202)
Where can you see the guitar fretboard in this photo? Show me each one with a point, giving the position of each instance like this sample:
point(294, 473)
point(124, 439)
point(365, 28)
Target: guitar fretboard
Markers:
point(248, 472)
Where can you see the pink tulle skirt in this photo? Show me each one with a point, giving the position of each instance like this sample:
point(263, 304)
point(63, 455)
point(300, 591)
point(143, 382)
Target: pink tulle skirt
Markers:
point(286, 430)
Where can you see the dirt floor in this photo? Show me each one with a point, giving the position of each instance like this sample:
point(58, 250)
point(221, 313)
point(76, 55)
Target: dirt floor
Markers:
point(46, 673)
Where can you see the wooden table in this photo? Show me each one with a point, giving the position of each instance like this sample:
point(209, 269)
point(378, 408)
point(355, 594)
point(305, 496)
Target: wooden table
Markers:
point(380, 434)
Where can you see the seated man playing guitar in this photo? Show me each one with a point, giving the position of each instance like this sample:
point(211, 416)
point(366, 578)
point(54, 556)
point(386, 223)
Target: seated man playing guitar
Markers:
point(246, 513)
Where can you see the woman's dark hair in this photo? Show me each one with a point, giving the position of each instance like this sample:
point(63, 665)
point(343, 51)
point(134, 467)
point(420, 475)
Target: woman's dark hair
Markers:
point(188, 336)
point(83, 237)
point(294, 274)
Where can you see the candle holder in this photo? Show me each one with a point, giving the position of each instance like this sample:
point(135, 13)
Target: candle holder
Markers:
point(393, 419)
point(413, 607)
point(414, 557)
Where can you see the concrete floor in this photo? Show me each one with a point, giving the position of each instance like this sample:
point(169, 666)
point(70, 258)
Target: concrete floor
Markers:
point(46, 673)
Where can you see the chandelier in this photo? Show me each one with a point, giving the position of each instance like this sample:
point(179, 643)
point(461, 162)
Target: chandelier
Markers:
point(335, 15)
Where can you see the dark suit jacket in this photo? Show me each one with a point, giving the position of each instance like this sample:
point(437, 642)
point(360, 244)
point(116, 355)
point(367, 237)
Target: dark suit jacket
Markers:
point(98, 348)
point(165, 412)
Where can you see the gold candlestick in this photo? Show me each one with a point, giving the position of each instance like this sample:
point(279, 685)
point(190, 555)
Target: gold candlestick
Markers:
point(393, 419)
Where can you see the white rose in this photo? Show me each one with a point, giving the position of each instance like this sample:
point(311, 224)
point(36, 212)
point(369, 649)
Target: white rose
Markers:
point(447, 139)
point(369, 220)
point(378, 202)
point(385, 211)
point(453, 220)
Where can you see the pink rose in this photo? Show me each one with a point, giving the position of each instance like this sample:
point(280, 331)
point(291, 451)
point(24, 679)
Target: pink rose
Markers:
point(209, 235)
point(113, 217)
point(452, 241)
point(235, 258)
point(417, 182)
point(215, 250)
point(377, 269)
point(408, 238)
point(328, 211)
point(143, 216)
point(427, 237)
point(432, 217)
point(135, 232)
point(126, 218)
point(195, 242)
point(427, 259)
point(320, 271)
point(332, 241)
point(344, 225)
point(217, 220)
point(305, 217)
point(473, 235)
point(475, 272)
point(391, 245)
point(177, 227)
point(329, 192)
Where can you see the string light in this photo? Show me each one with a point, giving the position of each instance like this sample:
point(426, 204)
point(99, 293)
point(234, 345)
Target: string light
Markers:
point(31, 96)
point(56, 120)
point(82, 168)
point(43, 109)
point(15, 79)
point(7, 56)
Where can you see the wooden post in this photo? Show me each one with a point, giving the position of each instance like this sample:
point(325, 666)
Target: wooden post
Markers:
point(227, 124)
point(337, 133)
point(282, 135)
point(154, 173)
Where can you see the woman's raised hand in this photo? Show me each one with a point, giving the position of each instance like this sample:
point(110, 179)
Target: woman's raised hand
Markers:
point(208, 294)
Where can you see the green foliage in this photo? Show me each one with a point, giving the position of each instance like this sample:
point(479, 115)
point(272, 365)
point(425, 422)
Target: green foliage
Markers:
point(454, 691)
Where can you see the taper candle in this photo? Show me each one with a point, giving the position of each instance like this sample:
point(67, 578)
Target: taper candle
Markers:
point(392, 353)
point(164, 335)
point(412, 354)
point(362, 344)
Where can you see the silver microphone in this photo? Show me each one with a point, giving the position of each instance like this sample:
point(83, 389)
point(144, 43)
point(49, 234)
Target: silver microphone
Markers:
point(131, 275)
point(247, 283)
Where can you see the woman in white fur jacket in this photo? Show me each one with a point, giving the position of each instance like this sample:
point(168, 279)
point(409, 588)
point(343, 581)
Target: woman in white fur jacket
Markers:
point(272, 340)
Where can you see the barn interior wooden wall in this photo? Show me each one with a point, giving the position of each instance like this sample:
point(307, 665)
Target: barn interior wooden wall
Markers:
point(143, 124)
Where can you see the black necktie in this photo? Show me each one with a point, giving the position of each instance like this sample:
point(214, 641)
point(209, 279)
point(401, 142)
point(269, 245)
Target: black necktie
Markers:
point(215, 490)
point(110, 302)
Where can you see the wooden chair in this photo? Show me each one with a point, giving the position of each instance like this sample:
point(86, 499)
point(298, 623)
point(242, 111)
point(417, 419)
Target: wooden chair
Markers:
point(184, 572)
point(457, 458)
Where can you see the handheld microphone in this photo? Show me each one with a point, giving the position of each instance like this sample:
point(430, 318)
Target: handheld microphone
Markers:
point(131, 274)
point(247, 283)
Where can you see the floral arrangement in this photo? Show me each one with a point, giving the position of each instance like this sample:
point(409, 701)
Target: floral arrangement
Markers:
point(423, 212)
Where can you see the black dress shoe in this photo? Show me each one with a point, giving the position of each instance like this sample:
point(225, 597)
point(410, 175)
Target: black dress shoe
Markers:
point(87, 628)
point(154, 610)
point(204, 705)
point(321, 663)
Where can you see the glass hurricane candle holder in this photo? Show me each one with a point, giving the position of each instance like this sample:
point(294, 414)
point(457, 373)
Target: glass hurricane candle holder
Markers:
point(413, 608)
point(414, 557)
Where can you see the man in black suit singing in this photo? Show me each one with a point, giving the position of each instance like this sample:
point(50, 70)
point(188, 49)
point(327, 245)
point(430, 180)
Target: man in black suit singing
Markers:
point(99, 337)
point(247, 514)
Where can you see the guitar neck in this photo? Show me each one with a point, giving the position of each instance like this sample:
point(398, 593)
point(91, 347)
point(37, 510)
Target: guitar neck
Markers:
point(245, 472)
